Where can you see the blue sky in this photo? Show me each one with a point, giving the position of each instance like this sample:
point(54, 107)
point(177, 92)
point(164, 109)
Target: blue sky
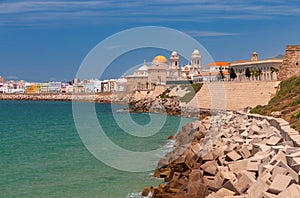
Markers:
point(48, 40)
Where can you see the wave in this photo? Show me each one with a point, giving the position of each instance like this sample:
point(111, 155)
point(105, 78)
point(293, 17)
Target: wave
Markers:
point(137, 195)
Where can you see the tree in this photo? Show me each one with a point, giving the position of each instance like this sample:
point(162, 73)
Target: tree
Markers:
point(274, 69)
point(221, 75)
point(248, 73)
point(258, 73)
point(232, 73)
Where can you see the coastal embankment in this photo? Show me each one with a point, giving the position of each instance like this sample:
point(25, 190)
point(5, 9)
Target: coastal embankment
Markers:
point(234, 155)
point(101, 98)
point(235, 95)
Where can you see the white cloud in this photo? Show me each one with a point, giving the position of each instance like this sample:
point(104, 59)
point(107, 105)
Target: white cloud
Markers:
point(210, 33)
point(52, 79)
point(105, 11)
point(113, 47)
point(31, 6)
point(12, 77)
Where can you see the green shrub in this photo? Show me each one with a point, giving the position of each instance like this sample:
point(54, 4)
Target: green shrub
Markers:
point(295, 102)
point(296, 115)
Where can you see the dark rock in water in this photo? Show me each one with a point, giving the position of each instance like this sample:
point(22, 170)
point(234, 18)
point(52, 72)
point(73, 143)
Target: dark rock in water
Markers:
point(171, 137)
point(147, 190)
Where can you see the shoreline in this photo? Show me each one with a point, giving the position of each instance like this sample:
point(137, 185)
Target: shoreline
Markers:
point(99, 98)
point(169, 106)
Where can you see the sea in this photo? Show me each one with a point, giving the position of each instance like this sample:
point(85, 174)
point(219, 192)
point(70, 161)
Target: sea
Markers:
point(42, 153)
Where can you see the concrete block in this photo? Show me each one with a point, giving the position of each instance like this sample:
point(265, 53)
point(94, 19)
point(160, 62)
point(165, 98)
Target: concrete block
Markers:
point(227, 175)
point(295, 164)
point(278, 147)
point(263, 147)
point(224, 192)
point(237, 139)
point(289, 172)
point(244, 152)
point(195, 175)
point(265, 176)
point(237, 166)
point(230, 185)
point(288, 143)
point(293, 191)
point(222, 160)
point(267, 195)
point(291, 150)
point(252, 165)
point(249, 173)
point(244, 134)
point(280, 183)
point(210, 167)
point(189, 154)
point(213, 182)
point(257, 188)
point(280, 156)
point(254, 129)
point(176, 176)
point(208, 157)
point(243, 183)
point(196, 190)
point(196, 148)
point(233, 155)
point(273, 141)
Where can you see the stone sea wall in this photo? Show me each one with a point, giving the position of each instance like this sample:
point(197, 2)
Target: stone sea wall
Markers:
point(231, 155)
point(104, 97)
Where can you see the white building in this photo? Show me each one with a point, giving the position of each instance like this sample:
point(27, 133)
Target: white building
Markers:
point(121, 84)
point(55, 87)
point(266, 69)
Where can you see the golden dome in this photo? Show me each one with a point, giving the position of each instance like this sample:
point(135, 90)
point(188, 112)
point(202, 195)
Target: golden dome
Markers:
point(160, 59)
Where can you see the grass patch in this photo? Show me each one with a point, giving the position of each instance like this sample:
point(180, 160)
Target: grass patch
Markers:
point(191, 91)
point(287, 100)
point(165, 94)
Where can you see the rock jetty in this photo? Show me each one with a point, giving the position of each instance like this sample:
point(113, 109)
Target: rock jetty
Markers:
point(231, 155)
point(99, 98)
point(170, 106)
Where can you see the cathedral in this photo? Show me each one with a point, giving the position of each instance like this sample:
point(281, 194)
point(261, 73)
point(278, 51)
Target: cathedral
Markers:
point(161, 70)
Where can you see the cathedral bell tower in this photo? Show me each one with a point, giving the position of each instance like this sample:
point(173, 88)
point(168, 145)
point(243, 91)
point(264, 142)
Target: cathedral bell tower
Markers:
point(196, 60)
point(174, 60)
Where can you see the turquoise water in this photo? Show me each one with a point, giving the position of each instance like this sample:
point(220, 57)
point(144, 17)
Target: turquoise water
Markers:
point(42, 155)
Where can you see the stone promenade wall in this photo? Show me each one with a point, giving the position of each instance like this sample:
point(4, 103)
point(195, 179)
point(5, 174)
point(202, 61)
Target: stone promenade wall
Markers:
point(234, 95)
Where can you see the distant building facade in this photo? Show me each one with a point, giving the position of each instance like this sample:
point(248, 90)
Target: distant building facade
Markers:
point(215, 71)
point(161, 70)
point(266, 69)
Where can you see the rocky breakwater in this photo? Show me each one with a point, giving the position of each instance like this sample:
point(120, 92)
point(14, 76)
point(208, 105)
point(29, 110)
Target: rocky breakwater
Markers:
point(231, 155)
point(157, 105)
point(99, 98)
point(170, 106)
